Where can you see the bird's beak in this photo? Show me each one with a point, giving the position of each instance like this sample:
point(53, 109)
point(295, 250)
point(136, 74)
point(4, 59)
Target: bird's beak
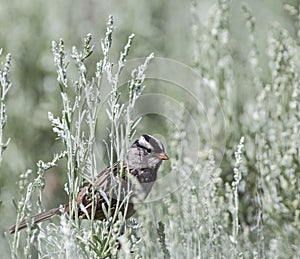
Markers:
point(163, 156)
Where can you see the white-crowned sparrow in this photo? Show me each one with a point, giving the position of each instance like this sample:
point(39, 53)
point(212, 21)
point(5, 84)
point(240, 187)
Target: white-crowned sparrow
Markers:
point(135, 179)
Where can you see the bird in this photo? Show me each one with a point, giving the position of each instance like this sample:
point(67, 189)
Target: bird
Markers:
point(113, 185)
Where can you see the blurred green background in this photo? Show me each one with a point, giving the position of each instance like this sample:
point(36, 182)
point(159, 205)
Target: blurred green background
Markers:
point(27, 30)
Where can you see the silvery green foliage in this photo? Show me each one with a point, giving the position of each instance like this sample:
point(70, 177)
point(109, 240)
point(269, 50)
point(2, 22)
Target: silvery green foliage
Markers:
point(253, 209)
point(247, 206)
point(76, 128)
point(31, 197)
point(5, 86)
point(278, 115)
point(100, 239)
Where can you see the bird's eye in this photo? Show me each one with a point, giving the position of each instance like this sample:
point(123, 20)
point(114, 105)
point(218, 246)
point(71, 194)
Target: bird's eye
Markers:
point(143, 147)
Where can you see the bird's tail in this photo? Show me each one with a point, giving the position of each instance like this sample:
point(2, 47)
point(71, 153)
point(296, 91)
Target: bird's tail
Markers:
point(36, 219)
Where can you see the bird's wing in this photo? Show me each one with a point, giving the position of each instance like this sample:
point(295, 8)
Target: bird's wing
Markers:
point(110, 185)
